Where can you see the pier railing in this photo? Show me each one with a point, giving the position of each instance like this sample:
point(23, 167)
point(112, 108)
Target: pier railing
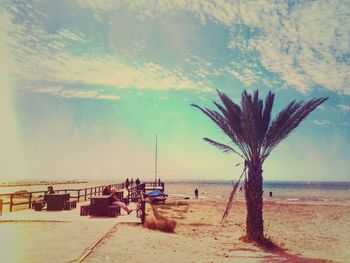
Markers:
point(27, 198)
point(82, 194)
point(139, 191)
point(134, 190)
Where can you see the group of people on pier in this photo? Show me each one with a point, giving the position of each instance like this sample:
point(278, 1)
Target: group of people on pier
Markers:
point(131, 182)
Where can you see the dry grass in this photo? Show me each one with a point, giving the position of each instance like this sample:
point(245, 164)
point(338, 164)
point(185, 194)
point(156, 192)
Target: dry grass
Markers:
point(164, 225)
point(160, 222)
point(178, 203)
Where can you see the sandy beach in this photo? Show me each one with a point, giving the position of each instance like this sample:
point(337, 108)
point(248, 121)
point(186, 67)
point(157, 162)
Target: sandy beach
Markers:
point(306, 233)
point(106, 103)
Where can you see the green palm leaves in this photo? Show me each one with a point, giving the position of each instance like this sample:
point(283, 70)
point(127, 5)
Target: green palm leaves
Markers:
point(249, 125)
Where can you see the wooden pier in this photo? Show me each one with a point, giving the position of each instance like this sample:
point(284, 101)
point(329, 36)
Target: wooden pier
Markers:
point(24, 199)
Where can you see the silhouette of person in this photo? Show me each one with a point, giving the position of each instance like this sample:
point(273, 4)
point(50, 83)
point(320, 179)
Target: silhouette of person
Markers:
point(106, 190)
point(196, 193)
point(50, 190)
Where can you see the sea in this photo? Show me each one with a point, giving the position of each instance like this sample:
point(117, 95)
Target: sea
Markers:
point(282, 191)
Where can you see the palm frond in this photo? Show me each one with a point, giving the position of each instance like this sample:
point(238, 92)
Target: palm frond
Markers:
point(232, 195)
point(250, 122)
point(266, 116)
point(225, 126)
point(232, 112)
point(229, 104)
point(287, 121)
point(249, 125)
point(223, 147)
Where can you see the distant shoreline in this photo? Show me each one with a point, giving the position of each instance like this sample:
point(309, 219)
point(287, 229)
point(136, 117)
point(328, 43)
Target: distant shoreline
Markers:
point(11, 184)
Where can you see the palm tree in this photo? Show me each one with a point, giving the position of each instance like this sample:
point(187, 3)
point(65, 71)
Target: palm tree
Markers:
point(250, 128)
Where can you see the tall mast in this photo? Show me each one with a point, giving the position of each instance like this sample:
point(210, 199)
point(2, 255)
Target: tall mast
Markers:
point(155, 171)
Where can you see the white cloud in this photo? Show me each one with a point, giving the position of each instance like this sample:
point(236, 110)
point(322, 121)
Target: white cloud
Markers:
point(305, 43)
point(44, 56)
point(344, 108)
point(321, 122)
point(109, 71)
point(69, 35)
point(76, 93)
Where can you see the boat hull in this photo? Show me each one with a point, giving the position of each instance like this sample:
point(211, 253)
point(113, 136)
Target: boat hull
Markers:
point(158, 199)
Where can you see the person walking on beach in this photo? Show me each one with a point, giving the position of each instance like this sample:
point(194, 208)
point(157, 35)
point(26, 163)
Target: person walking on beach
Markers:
point(196, 193)
point(114, 200)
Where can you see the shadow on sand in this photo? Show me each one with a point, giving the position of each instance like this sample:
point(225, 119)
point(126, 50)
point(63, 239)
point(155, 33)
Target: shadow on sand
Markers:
point(279, 254)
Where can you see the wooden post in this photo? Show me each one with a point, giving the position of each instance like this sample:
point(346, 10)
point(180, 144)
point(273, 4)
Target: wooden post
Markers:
point(30, 200)
point(143, 216)
point(11, 202)
point(85, 194)
point(1, 202)
point(143, 209)
point(78, 195)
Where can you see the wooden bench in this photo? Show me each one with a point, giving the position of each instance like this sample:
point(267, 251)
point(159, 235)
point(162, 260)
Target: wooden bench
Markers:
point(70, 204)
point(84, 210)
point(113, 210)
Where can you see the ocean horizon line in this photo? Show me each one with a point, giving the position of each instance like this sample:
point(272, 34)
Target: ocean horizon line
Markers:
point(176, 180)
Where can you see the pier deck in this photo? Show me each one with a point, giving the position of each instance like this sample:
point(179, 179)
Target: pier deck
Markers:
point(73, 235)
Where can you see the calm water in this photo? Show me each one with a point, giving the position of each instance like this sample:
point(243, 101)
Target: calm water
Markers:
point(319, 192)
point(323, 192)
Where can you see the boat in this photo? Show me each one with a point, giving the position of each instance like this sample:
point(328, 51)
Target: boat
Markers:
point(156, 196)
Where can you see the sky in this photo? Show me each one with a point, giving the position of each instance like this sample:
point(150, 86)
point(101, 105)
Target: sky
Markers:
point(85, 86)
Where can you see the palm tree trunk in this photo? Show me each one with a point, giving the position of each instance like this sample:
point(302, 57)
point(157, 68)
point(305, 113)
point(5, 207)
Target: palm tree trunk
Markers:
point(254, 203)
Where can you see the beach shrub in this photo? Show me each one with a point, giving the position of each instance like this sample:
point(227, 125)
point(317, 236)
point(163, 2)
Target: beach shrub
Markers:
point(160, 222)
point(164, 224)
point(180, 203)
